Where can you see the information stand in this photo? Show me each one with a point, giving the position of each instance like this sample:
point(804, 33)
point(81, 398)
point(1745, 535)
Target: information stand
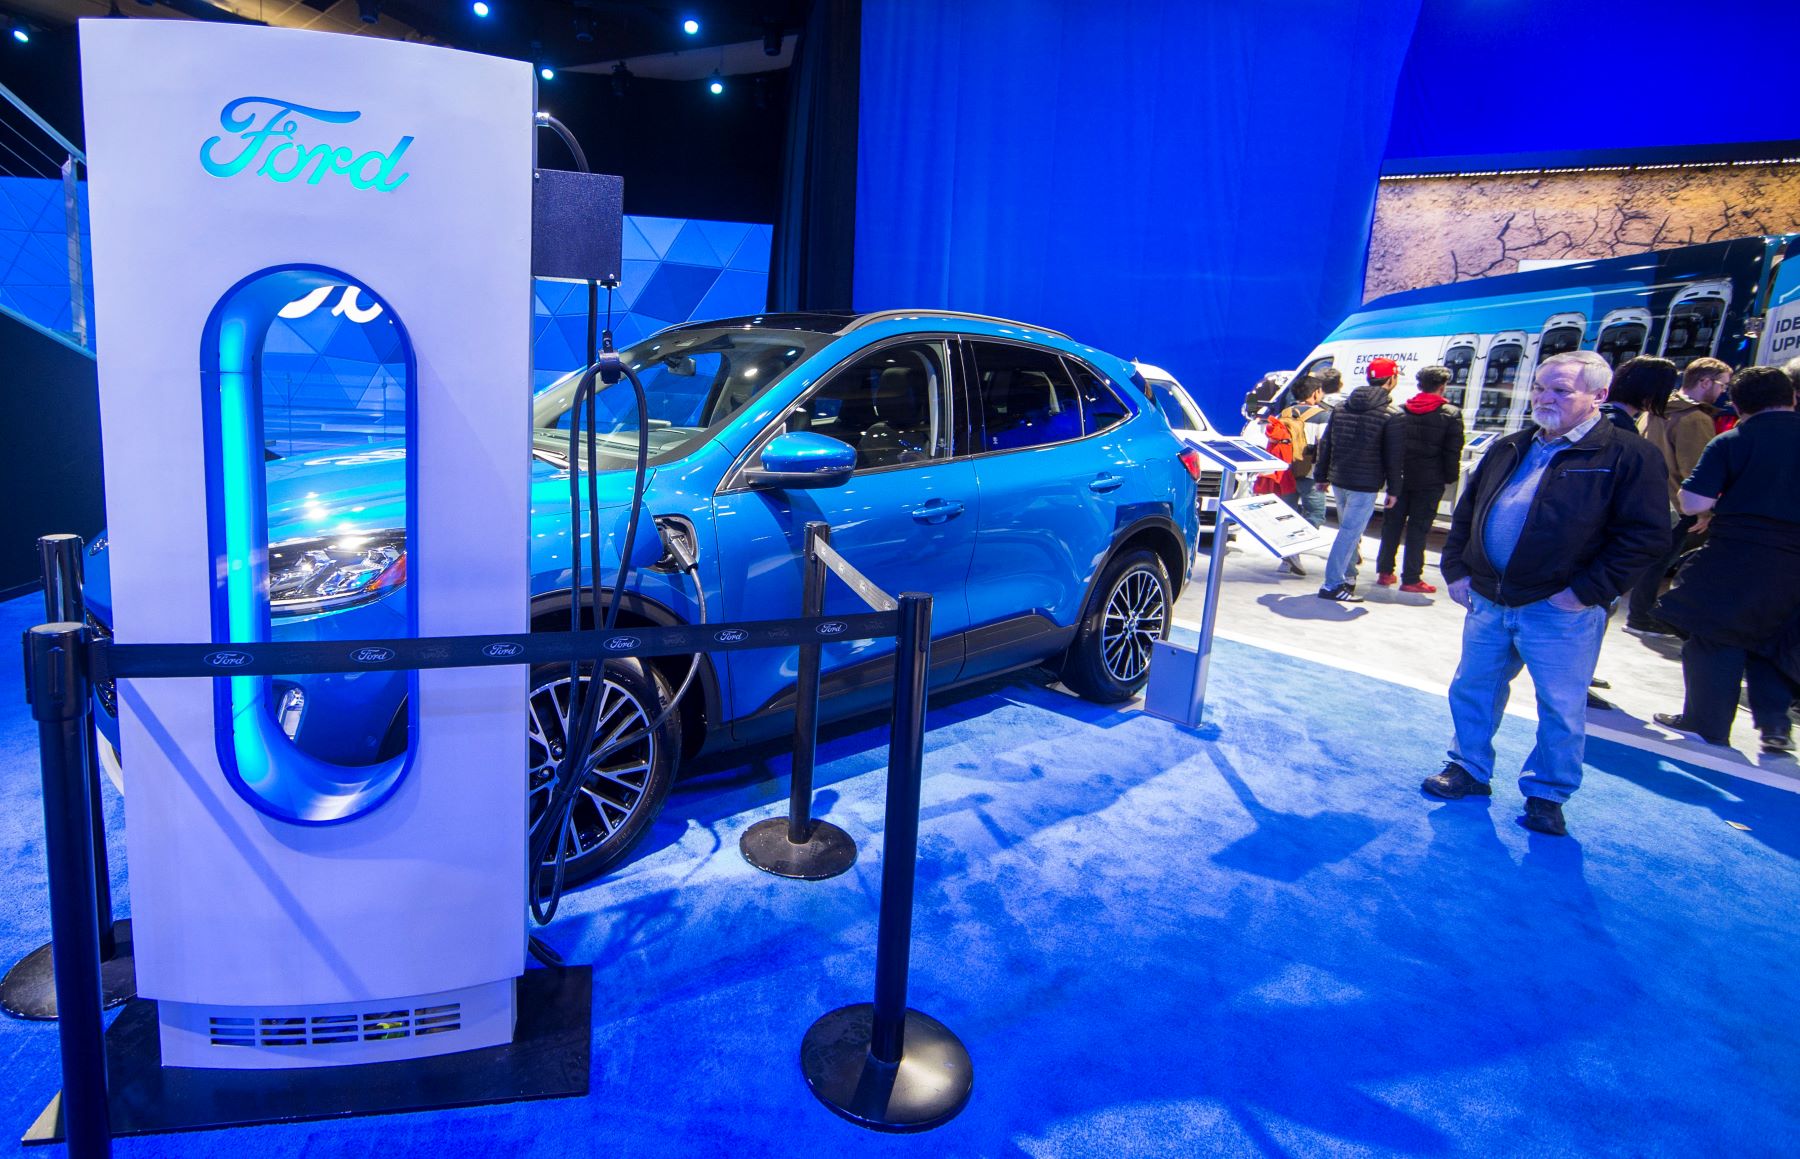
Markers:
point(1177, 689)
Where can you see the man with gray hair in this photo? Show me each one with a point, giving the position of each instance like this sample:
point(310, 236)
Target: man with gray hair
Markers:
point(1556, 522)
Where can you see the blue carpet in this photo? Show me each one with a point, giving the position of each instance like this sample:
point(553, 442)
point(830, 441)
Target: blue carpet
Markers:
point(1256, 939)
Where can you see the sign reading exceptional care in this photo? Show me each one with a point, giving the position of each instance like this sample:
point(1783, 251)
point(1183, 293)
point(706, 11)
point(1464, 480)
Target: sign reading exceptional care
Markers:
point(286, 137)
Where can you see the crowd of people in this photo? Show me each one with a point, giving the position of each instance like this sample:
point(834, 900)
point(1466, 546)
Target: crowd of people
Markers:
point(1621, 477)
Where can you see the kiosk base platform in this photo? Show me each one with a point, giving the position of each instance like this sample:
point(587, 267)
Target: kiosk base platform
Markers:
point(547, 1059)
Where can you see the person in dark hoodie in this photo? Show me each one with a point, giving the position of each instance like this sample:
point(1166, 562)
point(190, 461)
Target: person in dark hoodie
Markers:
point(1432, 430)
point(1736, 597)
point(1680, 431)
point(1554, 523)
point(1360, 453)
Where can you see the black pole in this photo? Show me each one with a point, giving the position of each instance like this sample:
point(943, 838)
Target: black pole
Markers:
point(60, 557)
point(29, 988)
point(799, 846)
point(882, 1065)
point(806, 688)
point(56, 677)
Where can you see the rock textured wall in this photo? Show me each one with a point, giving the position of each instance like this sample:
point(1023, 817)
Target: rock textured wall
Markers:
point(1431, 230)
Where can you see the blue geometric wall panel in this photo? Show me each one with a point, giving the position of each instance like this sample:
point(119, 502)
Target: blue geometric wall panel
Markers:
point(672, 270)
point(338, 375)
point(34, 254)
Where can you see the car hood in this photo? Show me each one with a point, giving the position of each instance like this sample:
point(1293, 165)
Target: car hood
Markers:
point(362, 490)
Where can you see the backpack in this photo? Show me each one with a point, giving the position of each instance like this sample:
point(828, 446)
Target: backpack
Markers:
point(1281, 445)
point(1302, 453)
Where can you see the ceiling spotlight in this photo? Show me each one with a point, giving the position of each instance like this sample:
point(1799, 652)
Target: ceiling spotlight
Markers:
point(691, 26)
point(547, 73)
point(621, 79)
point(21, 34)
point(480, 9)
point(715, 84)
point(369, 10)
point(584, 31)
point(772, 40)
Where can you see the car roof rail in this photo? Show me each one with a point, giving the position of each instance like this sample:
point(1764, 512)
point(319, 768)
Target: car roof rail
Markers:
point(889, 315)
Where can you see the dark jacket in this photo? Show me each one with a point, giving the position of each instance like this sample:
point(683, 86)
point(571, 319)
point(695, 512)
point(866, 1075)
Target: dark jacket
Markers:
point(1599, 519)
point(1363, 447)
point(1742, 588)
point(1433, 433)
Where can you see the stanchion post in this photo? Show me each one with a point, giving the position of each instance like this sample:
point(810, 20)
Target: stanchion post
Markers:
point(57, 679)
point(799, 846)
point(60, 557)
point(29, 988)
point(881, 1065)
point(806, 688)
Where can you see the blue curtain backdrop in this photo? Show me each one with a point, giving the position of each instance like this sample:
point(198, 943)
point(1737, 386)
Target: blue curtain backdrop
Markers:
point(1486, 78)
point(1189, 182)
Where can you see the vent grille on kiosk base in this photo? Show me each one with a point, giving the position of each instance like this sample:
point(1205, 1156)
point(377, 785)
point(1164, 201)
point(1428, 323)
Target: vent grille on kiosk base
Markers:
point(257, 1038)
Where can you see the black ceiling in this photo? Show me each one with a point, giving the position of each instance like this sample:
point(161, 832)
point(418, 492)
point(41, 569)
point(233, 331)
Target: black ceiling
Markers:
point(577, 32)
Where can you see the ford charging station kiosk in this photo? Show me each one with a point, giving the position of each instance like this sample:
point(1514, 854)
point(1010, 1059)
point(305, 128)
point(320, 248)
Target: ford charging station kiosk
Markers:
point(288, 911)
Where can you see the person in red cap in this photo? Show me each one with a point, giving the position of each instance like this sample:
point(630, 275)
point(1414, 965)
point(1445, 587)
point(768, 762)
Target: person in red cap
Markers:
point(1434, 441)
point(1362, 451)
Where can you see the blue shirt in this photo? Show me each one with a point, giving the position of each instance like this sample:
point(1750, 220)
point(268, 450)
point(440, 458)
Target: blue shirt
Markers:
point(1506, 518)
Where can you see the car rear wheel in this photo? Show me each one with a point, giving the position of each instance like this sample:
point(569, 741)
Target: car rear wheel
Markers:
point(629, 770)
point(1110, 658)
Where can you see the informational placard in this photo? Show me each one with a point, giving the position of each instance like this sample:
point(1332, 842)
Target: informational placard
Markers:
point(1238, 455)
point(1270, 521)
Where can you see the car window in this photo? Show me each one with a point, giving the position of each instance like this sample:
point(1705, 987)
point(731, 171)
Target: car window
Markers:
point(1101, 407)
point(888, 404)
point(1027, 397)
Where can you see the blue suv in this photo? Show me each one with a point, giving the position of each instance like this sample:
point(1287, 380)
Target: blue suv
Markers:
point(1028, 482)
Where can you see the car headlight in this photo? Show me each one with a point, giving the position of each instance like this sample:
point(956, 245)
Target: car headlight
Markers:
point(334, 572)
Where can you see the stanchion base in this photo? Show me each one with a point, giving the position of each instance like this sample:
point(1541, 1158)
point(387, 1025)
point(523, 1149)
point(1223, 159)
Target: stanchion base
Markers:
point(928, 1088)
point(29, 989)
point(828, 851)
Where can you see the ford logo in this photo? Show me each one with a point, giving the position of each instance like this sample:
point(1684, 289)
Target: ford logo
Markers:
point(731, 636)
point(622, 643)
point(227, 659)
point(372, 655)
point(503, 648)
point(833, 628)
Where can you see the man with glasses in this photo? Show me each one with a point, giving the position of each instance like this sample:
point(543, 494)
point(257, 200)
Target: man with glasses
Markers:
point(1555, 523)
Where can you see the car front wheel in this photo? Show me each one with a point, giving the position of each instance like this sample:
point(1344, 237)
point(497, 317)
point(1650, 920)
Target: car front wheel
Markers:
point(629, 768)
point(1110, 658)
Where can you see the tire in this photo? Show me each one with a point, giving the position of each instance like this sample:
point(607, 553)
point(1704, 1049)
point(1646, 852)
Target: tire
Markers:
point(1131, 607)
point(619, 798)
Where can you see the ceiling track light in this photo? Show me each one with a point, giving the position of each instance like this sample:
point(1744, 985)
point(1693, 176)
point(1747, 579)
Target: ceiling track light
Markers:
point(481, 9)
point(715, 84)
point(772, 39)
point(621, 79)
point(691, 26)
point(368, 10)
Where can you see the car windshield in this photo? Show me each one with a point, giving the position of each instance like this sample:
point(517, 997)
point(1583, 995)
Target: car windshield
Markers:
point(695, 379)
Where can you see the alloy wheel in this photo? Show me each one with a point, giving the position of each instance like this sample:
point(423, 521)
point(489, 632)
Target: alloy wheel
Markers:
point(618, 766)
point(1136, 616)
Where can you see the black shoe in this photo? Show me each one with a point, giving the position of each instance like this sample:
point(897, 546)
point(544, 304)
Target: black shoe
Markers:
point(1596, 682)
point(1777, 742)
point(1454, 783)
point(1543, 815)
point(1292, 566)
point(1651, 630)
point(1679, 723)
point(1595, 700)
point(1343, 594)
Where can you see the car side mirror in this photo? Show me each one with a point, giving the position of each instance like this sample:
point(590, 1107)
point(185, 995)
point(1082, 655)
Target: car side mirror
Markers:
point(802, 459)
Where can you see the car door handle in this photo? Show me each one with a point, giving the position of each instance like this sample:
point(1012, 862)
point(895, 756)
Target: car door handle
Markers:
point(1104, 483)
point(937, 511)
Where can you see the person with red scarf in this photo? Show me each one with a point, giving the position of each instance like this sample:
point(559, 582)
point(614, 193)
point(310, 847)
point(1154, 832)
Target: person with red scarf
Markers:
point(1433, 432)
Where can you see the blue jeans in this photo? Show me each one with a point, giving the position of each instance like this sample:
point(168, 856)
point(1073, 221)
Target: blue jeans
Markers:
point(1310, 496)
point(1559, 649)
point(1354, 511)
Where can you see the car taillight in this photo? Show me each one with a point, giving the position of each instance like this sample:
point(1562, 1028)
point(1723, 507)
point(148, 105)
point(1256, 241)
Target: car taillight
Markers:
point(1191, 460)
